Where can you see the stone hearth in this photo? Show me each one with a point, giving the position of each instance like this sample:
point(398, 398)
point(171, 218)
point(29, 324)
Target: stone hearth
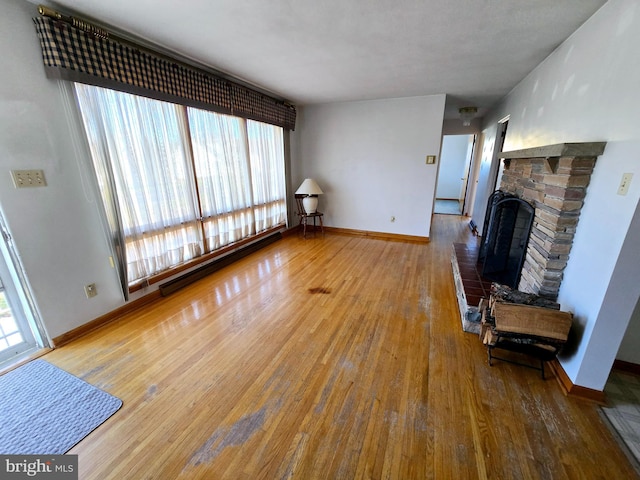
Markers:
point(470, 286)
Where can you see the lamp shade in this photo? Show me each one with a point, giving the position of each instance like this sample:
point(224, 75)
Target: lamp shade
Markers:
point(309, 187)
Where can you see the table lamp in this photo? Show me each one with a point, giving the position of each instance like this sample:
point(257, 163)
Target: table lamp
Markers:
point(311, 189)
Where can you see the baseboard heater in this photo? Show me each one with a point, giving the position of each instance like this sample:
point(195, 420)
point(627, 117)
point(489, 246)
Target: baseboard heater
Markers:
point(188, 278)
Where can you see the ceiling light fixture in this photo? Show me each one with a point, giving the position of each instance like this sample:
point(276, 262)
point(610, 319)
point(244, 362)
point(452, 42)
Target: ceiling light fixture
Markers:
point(467, 114)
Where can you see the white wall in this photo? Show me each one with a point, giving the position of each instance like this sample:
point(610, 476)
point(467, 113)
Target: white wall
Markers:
point(369, 159)
point(617, 309)
point(56, 228)
point(453, 162)
point(587, 90)
point(454, 126)
point(629, 351)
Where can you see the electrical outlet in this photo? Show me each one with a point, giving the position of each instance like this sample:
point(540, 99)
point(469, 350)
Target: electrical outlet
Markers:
point(90, 290)
point(624, 183)
point(28, 178)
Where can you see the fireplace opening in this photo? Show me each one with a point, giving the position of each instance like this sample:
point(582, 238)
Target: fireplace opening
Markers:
point(507, 226)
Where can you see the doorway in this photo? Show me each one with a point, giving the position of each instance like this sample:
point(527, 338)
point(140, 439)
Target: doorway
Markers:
point(20, 331)
point(453, 174)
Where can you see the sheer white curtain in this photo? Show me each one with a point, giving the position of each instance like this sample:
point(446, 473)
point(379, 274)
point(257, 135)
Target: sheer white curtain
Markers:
point(142, 145)
point(266, 153)
point(178, 182)
point(222, 170)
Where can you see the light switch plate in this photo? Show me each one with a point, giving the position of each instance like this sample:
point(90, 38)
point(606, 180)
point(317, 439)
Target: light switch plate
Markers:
point(431, 159)
point(624, 183)
point(28, 178)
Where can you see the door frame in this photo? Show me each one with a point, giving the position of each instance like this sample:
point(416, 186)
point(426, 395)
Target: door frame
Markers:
point(483, 191)
point(20, 300)
point(465, 180)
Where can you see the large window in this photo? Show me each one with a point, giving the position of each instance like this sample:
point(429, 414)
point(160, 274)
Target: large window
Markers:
point(178, 182)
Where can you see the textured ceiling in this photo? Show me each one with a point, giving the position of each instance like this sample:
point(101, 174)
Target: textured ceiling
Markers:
point(321, 51)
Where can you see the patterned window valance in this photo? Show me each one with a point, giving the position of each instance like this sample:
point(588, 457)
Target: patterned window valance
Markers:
point(73, 54)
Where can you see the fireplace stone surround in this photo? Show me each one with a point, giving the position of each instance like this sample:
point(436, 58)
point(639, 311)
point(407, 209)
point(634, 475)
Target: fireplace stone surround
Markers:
point(554, 180)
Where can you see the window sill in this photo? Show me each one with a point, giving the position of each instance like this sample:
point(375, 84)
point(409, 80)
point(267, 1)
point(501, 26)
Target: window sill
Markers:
point(140, 284)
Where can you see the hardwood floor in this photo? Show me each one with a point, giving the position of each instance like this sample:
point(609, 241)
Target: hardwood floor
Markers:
point(333, 357)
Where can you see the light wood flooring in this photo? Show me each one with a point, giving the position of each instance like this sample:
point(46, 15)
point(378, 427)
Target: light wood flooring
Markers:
point(334, 357)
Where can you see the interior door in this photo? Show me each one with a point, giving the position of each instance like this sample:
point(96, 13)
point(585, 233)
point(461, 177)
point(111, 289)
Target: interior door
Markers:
point(488, 174)
point(465, 179)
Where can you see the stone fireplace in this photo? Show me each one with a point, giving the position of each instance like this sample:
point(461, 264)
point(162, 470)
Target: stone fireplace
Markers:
point(554, 180)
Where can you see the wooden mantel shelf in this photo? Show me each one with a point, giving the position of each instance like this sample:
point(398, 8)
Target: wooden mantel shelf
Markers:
point(592, 149)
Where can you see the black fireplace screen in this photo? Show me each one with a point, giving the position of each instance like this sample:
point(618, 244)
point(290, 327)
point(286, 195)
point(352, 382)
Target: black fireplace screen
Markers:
point(507, 226)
